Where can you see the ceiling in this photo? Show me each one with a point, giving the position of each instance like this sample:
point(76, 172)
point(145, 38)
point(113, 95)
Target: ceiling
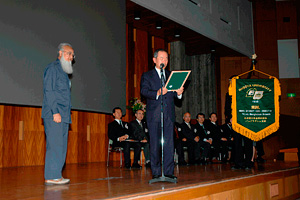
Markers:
point(195, 43)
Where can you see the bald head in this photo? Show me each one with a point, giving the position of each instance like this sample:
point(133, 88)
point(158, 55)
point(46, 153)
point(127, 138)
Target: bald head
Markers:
point(187, 117)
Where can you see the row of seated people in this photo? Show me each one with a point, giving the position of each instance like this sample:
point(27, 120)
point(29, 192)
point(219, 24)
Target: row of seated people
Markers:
point(216, 142)
point(205, 136)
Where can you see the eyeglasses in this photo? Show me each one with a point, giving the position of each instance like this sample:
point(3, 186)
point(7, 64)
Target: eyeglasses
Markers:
point(69, 53)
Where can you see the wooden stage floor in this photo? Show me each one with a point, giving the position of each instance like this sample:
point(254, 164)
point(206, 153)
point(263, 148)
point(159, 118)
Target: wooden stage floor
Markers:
point(96, 181)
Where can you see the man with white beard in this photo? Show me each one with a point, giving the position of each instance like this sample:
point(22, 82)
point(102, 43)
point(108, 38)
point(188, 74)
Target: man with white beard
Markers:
point(56, 113)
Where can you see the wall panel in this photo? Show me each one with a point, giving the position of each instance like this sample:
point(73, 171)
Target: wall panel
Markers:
point(286, 15)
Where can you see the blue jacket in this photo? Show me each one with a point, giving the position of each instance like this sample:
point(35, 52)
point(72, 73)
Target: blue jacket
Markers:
point(150, 83)
point(57, 93)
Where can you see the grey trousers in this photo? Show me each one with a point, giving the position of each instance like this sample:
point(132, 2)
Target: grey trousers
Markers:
point(56, 148)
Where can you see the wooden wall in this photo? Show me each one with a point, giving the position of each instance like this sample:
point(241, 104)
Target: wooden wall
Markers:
point(88, 132)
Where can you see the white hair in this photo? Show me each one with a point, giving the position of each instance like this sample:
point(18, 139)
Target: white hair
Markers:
point(61, 47)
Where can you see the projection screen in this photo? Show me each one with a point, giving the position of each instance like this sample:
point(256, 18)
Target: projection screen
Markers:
point(30, 33)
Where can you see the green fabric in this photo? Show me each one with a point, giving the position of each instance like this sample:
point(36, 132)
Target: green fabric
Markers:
point(255, 103)
point(176, 80)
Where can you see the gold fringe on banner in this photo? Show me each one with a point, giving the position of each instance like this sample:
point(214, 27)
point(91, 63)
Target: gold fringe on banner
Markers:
point(255, 136)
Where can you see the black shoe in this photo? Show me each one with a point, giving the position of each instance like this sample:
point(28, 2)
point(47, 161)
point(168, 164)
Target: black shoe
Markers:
point(148, 164)
point(198, 162)
point(260, 160)
point(203, 162)
point(155, 176)
point(136, 166)
point(236, 167)
point(171, 176)
point(127, 166)
point(182, 163)
point(192, 163)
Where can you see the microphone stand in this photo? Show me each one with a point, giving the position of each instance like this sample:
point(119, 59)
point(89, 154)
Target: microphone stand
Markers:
point(163, 178)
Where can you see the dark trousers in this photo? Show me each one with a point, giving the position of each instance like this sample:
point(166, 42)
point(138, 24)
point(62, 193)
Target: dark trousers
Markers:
point(206, 148)
point(146, 150)
point(126, 149)
point(260, 149)
point(242, 146)
point(179, 150)
point(56, 148)
point(191, 148)
point(155, 147)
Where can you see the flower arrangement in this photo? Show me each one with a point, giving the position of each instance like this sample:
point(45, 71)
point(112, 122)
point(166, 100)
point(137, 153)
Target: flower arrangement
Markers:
point(137, 104)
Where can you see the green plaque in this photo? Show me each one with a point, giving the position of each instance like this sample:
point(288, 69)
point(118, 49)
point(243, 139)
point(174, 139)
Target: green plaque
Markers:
point(177, 79)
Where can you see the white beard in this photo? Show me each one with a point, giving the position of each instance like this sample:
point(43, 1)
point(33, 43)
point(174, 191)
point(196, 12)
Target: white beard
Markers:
point(66, 65)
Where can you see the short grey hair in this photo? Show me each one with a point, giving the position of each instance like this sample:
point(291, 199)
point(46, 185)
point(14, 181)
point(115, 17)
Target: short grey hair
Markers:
point(156, 52)
point(61, 47)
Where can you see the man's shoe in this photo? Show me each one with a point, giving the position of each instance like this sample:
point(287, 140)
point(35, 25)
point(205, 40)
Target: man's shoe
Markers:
point(148, 164)
point(182, 163)
point(171, 176)
point(236, 167)
point(203, 162)
point(136, 166)
point(127, 166)
point(60, 181)
point(260, 160)
point(155, 176)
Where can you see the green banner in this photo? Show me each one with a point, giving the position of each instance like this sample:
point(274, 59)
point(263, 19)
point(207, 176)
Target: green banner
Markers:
point(255, 106)
point(255, 103)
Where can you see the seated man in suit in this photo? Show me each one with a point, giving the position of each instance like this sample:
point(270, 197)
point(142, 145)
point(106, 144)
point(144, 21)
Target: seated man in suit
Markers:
point(217, 136)
point(118, 132)
point(205, 137)
point(139, 132)
point(191, 139)
point(228, 137)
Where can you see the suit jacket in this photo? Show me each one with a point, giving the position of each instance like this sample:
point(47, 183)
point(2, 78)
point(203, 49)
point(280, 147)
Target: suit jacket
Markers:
point(150, 83)
point(215, 131)
point(137, 132)
point(57, 93)
point(201, 133)
point(227, 132)
point(188, 133)
point(115, 130)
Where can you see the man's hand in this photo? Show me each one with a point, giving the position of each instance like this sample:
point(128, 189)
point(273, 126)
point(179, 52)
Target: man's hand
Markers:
point(224, 139)
point(180, 91)
point(165, 90)
point(57, 118)
point(122, 138)
point(209, 141)
point(143, 141)
point(184, 139)
point(196, 139)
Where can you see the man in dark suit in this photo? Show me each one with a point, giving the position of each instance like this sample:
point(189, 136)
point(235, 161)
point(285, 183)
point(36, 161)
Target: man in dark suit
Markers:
point(139, 132)
point(228, 135)
point(118, 132)
point(216, 133)
point(204, 136)
point(190, 139)
point(56, 113)
point(151, 89)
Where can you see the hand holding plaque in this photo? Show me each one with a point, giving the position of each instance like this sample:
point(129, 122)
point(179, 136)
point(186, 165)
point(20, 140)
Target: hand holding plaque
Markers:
point(177, 79)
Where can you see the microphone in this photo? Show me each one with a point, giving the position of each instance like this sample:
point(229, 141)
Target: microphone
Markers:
point(162, 65)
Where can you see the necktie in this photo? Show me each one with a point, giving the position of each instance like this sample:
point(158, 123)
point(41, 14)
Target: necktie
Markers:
point(121, 124)
point(140, 123)
point(189, 125)
point(163, 78)
point(204, 129)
